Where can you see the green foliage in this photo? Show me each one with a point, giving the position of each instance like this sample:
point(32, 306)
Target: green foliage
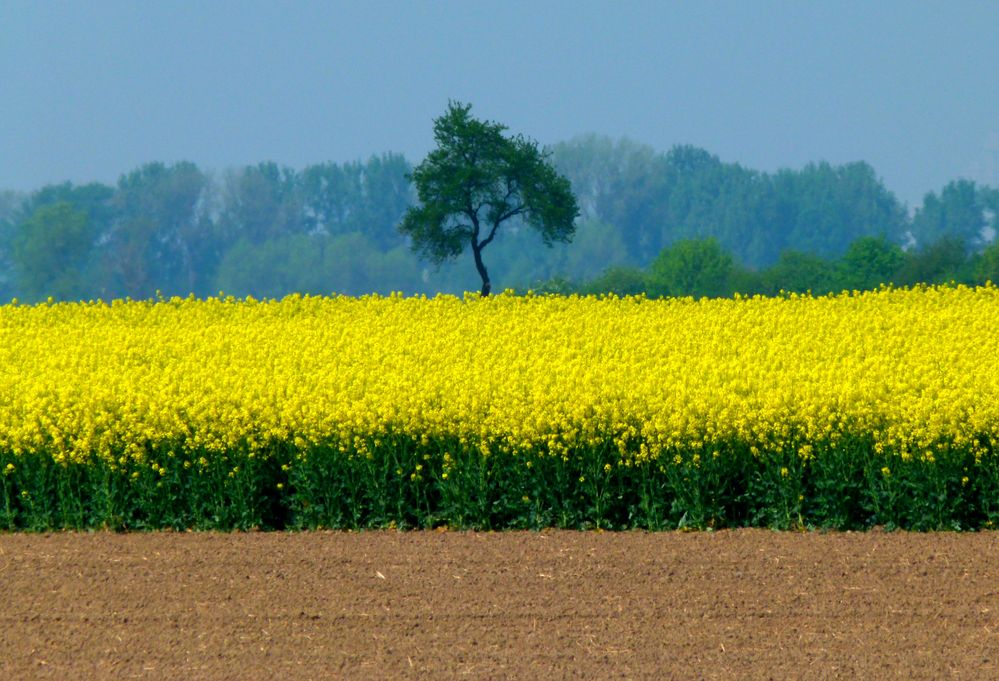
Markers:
point(822, 209)
point(477, 179)
point(406, 483)
point(556, 285)
point(617, 182)
point(347, 263)
point(871, 261)
point(655, 199)
point(702, 268)
point(52, 237)
point(10, 207)
point(160, 237)
point(695, 267)
point(207, 491)
point(799, 272)
point(596, 246)
point(262, 203)
point(621, 281)
point(938, 263)
point(987, 265)
point(177, 230)
point(51, 249)
point(269, 269)
point(369, 198)
point(93, 199)
point(958, 212)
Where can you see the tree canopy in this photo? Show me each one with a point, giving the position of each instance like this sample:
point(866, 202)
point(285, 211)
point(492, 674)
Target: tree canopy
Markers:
point(268, 230)
point(477, 179)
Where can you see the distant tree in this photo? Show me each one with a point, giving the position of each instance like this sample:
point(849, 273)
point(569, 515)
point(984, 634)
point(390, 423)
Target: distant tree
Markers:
point(620, 183)
point(160, 236)
point(94, 199)
point(987, 265)
point(318, 264)
point(822, 208)
point(799, 272)
point(521, 261)
point(595, 247)
point(989, 197)
point(354, 265)
point(10, 207)
point(386, 195)
point(51, 250)
point(621, 280)
point(52, 240)
point(273, 269)
point(477, 179)
point(655, 199)
point(941, 261)
point(368, 197)
point(959, 211)
point(396, 270)
point(262, 203)
point(10, 204)
point(746, 281)
point(871, 261)
point(691, 267)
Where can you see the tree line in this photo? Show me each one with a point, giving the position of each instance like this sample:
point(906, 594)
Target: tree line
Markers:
point(703, 268)
point(678, 222)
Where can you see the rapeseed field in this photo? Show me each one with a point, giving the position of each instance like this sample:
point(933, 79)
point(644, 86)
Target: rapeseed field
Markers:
point(512, 411)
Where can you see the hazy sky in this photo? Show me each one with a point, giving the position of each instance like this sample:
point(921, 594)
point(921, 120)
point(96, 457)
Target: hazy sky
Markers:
point(92, 89)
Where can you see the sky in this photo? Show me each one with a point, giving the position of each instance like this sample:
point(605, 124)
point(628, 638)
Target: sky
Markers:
point(92, 89)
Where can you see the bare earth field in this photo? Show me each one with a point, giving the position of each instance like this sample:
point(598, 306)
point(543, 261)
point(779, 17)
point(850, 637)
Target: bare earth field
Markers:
point(723, 605)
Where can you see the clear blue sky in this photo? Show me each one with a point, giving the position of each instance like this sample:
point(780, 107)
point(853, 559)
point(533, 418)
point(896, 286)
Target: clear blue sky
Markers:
point(89, 90)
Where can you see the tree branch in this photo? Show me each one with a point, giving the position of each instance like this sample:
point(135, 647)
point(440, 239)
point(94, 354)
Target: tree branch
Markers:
point(492, 233)
point(510, 213)
point(496, 223)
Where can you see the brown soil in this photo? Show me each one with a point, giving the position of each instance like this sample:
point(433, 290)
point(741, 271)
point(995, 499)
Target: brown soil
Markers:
point(724, 605)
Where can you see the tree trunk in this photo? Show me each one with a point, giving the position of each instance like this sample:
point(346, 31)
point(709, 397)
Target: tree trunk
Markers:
point(480, 266)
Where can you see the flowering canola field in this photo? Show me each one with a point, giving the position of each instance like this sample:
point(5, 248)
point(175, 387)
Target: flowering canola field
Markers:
point(511, 411)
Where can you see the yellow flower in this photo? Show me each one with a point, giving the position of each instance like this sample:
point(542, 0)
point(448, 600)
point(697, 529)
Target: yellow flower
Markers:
point(537, 376)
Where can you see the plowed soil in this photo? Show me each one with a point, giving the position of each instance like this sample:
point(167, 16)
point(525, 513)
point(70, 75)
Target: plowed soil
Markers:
point(712, 605)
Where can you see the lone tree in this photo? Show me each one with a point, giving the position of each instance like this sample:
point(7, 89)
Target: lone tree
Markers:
point(477, 179)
